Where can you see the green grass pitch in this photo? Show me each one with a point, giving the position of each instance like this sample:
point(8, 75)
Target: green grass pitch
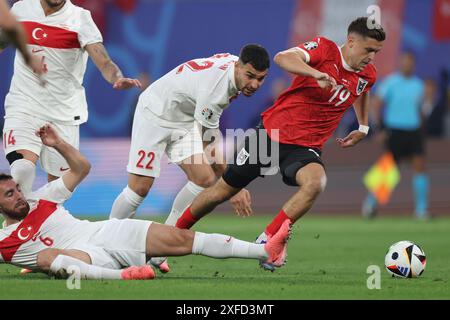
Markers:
point(328, 259)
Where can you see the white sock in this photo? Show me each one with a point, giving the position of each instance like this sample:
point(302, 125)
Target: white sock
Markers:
point(126, 204)
point(64, 265)
point(23, 172)
point(183, 200)
point(221, 246)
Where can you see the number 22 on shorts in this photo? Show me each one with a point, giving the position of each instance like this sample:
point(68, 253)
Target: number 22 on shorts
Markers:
point(145, 160)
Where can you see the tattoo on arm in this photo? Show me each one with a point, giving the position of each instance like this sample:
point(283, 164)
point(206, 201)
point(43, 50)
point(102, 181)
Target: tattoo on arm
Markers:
point(102, 60)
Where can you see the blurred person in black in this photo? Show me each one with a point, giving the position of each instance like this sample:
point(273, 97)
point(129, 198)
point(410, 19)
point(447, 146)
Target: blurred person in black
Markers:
point(435, 105)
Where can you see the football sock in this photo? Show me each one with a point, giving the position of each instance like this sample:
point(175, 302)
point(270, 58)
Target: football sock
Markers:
point(187, 220)
point(222, 246)
point(23, 172)
point(183, 199)
point(420, 186)
point(126, 204)
point(63, 265)
point(276, 223)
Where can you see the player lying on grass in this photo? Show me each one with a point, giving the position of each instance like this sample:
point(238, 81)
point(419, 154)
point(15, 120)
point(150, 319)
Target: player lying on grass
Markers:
point(329, 79)
point(41, 235)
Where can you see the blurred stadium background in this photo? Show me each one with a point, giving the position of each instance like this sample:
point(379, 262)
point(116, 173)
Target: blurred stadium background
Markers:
point(148, 38)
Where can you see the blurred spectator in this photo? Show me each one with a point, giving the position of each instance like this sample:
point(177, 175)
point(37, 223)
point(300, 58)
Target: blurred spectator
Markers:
point(402, 95)
point(145, 79)
point(435, 105)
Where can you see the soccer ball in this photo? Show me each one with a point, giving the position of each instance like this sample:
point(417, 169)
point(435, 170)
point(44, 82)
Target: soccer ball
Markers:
point(405, 259)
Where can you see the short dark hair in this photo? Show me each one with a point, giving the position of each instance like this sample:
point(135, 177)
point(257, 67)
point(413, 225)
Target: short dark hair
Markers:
point(367, 27)
point(256, 55)
point(4, 177)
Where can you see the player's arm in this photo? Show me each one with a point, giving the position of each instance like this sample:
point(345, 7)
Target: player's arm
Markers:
point(11, 31)
point(294, 61)
point(78, 164)
point(361, 107)
point(110, 71)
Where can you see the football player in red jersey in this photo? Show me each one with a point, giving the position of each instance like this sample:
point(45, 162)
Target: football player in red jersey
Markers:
point(329, 79)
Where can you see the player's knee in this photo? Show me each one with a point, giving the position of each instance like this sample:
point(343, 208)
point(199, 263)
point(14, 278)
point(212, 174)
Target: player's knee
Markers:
point(315, 186)
point(46, 257)
point(140, 189)
point(204, 181)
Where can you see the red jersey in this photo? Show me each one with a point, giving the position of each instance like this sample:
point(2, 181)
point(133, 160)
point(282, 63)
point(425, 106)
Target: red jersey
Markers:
point(307, 115)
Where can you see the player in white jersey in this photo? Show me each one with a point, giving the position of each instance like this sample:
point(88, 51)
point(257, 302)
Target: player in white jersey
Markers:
point(11, 30)
point(41, 235)
point(63, 35)
point(171, 115)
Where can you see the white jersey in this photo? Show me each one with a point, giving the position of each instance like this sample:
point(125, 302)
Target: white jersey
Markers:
point(47, 225)
point(60, 38)
point(199, 90)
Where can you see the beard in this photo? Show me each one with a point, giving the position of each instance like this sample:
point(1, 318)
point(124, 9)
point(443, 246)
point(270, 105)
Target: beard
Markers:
point(54, 3)
point(19, 213)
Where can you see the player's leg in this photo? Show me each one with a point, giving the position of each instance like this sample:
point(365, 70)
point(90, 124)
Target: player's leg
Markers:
point(245, 168)
point(188, 153)
point(62, 263)
point(312, 181)
point(22, 149)
point(131, 197)
point(170, 241)
point(206, 202)
point(148, 142)
point(200, 176)
point(420, 180)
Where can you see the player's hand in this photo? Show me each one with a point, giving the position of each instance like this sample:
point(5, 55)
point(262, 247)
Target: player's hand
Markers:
point(126, 83)
point(325, 81)
point(353, 138)
point(49, 136)
point(242, 203)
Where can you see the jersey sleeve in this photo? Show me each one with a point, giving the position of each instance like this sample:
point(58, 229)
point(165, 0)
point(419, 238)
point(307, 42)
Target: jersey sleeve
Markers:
point(55, 191)
point(207, 114)
point(89, 33)
point(315, 50)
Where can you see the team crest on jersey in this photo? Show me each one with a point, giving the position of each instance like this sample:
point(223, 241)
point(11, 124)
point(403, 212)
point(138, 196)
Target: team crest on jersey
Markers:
point(311, 45)
point(361, 86)
point(207, 113)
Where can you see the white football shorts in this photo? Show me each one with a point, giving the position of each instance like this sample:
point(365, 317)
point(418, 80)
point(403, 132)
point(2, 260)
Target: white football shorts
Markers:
point(118, 244)
point(19, 133)
point(149, 142)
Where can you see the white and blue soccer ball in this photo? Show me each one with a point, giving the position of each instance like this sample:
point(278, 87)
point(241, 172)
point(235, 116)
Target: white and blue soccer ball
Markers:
point(405, 259)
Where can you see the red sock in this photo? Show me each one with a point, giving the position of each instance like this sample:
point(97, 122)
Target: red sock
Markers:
point(187, 220)
point(276, 223)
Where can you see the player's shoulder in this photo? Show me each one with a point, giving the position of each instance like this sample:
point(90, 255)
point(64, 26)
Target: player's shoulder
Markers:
point(319, 41)
point(22, 7)
point(80, 10)
point(370, 72)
